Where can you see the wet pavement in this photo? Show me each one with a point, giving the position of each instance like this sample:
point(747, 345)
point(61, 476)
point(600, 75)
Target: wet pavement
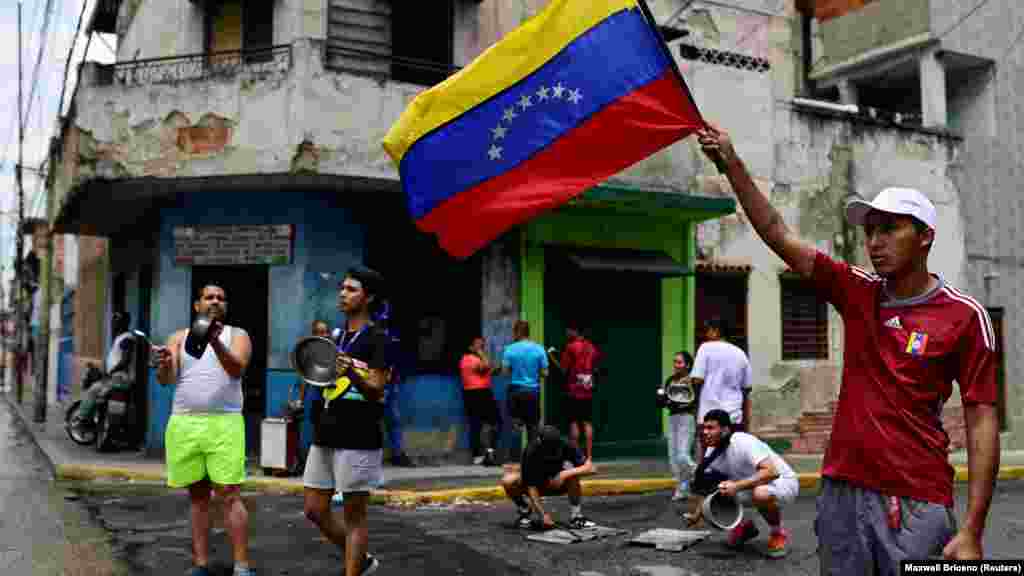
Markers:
point(43, 530)
point(150, 533)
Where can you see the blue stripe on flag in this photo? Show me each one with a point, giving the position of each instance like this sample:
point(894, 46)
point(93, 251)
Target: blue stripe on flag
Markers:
point(609, 61)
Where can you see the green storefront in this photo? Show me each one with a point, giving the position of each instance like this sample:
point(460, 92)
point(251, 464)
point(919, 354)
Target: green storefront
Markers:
point(619, 260)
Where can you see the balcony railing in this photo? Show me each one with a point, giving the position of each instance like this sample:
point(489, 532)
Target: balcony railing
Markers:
point(198, 67)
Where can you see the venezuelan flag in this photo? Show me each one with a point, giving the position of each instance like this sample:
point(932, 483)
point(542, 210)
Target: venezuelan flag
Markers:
point(579, 92)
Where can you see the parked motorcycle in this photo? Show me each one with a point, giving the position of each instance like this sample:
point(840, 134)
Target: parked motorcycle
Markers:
point(114, 421)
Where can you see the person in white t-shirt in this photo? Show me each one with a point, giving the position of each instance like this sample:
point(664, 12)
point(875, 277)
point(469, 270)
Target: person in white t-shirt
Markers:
point(750, 471)
point(721, 371)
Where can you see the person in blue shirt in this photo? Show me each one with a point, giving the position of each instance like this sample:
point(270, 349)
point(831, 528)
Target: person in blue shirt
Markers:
point(527, 364)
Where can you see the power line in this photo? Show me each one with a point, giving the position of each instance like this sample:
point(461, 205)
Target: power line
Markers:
point(67, 63)
point(106, 43)
point(963, 18)
point(44, 40)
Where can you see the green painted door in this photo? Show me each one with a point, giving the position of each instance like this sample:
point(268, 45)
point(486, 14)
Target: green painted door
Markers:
point(621, 314)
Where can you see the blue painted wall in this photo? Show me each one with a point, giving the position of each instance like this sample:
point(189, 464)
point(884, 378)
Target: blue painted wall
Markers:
point(327, 242)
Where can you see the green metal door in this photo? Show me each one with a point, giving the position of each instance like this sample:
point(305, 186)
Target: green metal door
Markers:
point(621, 314)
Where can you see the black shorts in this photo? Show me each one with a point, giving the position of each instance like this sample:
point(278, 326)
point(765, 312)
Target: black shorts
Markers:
point(480, 404)
point(579, 409)
point(523, 405)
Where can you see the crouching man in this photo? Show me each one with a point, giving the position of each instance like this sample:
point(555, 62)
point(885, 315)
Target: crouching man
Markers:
point(742, 466)
point(550, 466)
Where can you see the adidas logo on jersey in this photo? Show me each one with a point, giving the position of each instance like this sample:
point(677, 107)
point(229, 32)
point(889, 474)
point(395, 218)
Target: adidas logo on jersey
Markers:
point(894, 322)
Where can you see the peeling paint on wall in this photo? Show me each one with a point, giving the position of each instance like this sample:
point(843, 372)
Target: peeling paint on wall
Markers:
point(210, 135)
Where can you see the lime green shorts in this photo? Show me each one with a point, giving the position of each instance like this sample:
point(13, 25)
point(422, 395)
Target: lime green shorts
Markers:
point(205, 445)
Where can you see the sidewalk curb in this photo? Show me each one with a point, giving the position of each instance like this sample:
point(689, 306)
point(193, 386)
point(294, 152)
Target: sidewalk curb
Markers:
point(594, 487)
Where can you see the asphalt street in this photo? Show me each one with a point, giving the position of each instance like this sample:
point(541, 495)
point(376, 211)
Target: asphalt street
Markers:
point(42, 532)
point(150, 533)
point(129, 528)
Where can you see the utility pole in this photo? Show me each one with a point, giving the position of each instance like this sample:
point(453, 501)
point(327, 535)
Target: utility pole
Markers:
point(19, 273)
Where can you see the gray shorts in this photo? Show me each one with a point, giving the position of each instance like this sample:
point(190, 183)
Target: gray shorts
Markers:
point(785, 491)
point(342, 470)
point(854, 537)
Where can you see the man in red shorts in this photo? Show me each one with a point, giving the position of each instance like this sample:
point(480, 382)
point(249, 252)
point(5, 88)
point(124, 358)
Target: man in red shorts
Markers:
point(578, 363)
point(887, 487)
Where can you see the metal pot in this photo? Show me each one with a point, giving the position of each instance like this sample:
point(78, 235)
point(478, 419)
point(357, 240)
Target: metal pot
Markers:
point(198, 337)
point(722, 512)
point(314, 359)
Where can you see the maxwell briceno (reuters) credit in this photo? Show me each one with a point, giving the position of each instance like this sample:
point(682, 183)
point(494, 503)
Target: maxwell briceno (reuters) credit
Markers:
point(963, 567)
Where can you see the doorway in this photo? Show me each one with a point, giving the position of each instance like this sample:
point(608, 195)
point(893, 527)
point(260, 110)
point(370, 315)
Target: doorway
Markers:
point(248, 294)
point(620, 312)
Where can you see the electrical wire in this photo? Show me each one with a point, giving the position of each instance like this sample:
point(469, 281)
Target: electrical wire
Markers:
point(67, 63)
point(963, 18)
point(106, 43)
point(15, 119)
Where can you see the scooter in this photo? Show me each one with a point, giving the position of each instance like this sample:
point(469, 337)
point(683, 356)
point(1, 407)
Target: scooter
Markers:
point(114, 422)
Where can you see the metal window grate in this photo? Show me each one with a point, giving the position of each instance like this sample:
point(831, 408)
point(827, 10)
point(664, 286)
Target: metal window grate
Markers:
point(724, 58)
point(364, 38)
point(804, 321)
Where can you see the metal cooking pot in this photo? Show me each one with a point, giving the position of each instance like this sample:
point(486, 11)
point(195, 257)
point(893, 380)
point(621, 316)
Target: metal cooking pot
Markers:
point(680, 394)
point(314, 359)
point(722, 512)
point(198, 337)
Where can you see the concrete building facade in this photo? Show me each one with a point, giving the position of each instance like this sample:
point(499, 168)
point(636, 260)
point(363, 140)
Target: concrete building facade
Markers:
point(273, 115)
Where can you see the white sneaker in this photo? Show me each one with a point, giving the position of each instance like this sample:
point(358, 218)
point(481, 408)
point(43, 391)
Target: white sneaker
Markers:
point(478, 460)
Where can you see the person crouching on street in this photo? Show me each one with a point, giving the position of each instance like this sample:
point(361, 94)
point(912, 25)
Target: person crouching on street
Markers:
point(750, 471)
point(550, 467)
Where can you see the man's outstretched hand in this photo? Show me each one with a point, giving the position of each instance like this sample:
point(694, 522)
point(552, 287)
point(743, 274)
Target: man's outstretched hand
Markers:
point(717, 145)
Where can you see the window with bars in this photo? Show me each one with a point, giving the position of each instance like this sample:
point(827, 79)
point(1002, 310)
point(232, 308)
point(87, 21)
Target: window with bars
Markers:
point(804, 321)
point(390, 39)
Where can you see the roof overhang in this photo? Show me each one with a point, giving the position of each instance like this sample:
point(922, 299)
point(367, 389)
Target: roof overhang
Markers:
point(654, 262)
point(111, 208)
point(673, 203)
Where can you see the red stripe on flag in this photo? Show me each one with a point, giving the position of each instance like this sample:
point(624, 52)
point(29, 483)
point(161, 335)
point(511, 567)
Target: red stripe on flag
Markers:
point(623, 133)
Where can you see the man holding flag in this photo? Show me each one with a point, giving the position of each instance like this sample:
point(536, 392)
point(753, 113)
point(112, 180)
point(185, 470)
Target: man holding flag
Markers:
point(578, 93)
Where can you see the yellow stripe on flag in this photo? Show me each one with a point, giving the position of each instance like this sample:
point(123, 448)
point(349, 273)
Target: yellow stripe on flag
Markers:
point(514, 57)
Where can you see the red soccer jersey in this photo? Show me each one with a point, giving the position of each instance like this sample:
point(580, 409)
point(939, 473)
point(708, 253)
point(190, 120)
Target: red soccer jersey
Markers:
point(579, 357)
point(899, 362)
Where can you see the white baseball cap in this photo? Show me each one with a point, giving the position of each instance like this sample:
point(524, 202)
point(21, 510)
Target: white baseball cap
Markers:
point(906, 201)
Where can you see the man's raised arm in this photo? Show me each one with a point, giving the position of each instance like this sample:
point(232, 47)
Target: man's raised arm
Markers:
point(766, 220)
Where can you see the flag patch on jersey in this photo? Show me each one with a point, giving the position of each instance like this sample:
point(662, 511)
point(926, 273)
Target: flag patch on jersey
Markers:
point(916, 343)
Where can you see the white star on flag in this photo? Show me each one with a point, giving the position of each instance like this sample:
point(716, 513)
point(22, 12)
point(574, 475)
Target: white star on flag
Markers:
point(494, 152)
point(524, 102)
point(542, 94)
point(499, 132)
point(510, 113)
point(558, 89)
point(575, 96)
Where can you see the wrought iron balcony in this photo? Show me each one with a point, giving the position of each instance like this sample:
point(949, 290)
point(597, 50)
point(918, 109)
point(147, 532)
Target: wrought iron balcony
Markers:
point(198, 67)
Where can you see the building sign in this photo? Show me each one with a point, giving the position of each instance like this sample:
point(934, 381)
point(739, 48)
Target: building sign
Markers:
point(233, 245)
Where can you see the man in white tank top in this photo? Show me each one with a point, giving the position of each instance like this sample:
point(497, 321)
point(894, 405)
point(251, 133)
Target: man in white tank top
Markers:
point(205, 436)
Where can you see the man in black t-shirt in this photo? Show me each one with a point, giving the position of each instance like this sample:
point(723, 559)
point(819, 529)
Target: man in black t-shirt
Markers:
point(549, 466)
point(347, 449)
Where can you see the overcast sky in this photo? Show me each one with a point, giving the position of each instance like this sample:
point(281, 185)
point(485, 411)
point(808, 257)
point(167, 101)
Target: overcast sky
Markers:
point(42, 116)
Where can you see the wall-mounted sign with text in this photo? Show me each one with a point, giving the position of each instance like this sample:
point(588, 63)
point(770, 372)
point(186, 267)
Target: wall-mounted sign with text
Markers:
point(233, 245)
